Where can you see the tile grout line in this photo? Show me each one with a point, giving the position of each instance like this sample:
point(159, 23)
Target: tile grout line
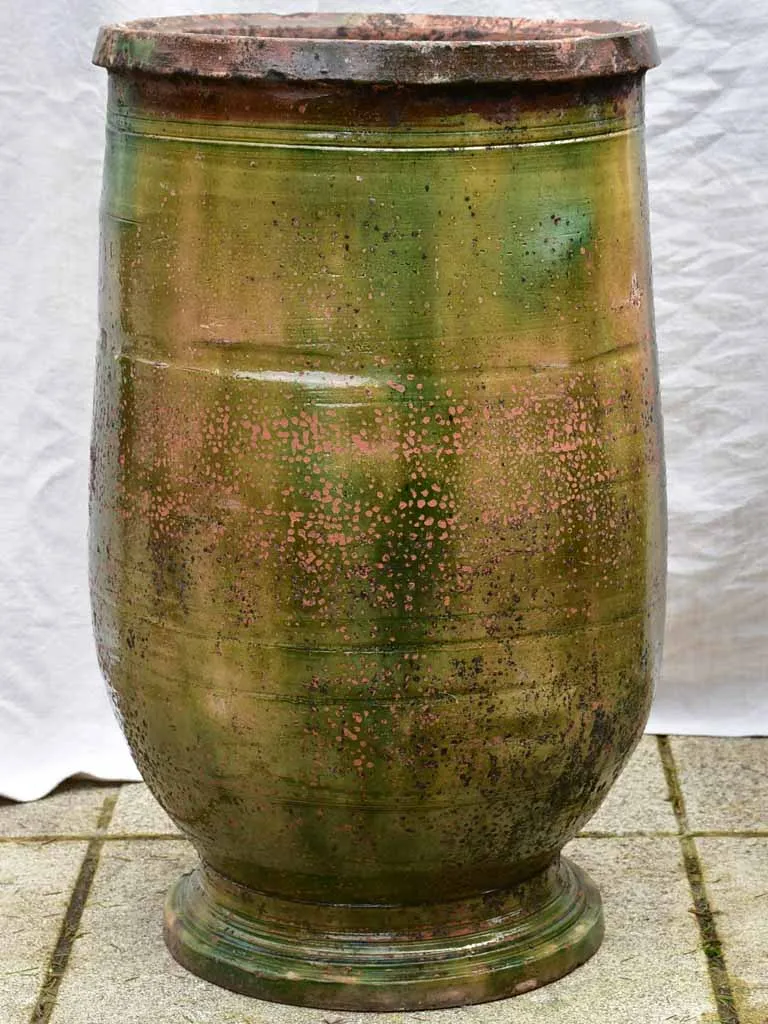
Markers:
point(70, 924)
point(45, 838)
point(710, 940)
point(83, 837)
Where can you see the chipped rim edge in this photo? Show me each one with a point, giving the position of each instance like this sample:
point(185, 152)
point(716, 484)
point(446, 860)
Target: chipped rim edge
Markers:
point(184, 46)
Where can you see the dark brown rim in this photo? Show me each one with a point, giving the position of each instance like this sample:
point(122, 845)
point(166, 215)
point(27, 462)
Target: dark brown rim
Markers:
point(376, 48)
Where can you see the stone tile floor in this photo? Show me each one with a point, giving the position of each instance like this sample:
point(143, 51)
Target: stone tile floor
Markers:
point(679, 850)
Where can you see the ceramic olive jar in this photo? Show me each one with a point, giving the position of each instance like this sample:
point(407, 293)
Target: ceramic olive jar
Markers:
point(377, 515)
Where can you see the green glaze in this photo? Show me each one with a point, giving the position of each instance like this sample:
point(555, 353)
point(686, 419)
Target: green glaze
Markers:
point(473, 950)
point(377, 516)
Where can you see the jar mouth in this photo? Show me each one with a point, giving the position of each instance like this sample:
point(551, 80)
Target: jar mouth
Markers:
point(376, 48)
point(380, 27)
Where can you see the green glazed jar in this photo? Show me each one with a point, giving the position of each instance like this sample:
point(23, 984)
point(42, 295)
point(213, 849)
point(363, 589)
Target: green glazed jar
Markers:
point(377, 500)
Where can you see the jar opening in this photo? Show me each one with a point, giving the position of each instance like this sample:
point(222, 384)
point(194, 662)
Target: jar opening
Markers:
point(382, 27)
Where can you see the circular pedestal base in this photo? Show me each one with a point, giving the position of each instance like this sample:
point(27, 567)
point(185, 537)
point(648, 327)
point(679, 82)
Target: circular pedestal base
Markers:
point(347, 957)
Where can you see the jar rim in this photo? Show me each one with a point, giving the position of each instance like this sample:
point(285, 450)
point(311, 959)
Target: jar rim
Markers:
point(403, 49)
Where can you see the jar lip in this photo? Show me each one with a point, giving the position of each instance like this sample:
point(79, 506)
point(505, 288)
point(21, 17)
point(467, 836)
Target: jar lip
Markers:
point(408, 49)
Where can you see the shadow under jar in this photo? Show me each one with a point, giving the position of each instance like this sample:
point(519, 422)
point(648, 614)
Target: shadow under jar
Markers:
point(377, 502)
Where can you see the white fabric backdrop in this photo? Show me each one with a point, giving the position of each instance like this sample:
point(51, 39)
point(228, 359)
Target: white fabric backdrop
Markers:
point(708, 165)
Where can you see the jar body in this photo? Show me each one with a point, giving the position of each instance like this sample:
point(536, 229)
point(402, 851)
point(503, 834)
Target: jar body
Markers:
point(377, 516)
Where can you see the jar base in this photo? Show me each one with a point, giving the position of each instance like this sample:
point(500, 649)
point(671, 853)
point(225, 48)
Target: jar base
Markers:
point(385, 958)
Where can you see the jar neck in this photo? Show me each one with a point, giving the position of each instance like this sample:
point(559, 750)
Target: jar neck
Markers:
point(320, 113)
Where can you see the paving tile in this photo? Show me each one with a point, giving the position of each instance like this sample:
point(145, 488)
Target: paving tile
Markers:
point(71, 809)
point(724, 782)
point(736, 879)
point(36, 880)
point(639, 800)
point(137, 812)
point(649, 969)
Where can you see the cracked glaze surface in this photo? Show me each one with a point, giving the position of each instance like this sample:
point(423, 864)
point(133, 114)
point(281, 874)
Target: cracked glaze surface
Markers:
point(377, 534)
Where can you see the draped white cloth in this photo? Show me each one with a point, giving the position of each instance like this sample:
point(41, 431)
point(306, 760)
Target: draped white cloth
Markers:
point(708, 171)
